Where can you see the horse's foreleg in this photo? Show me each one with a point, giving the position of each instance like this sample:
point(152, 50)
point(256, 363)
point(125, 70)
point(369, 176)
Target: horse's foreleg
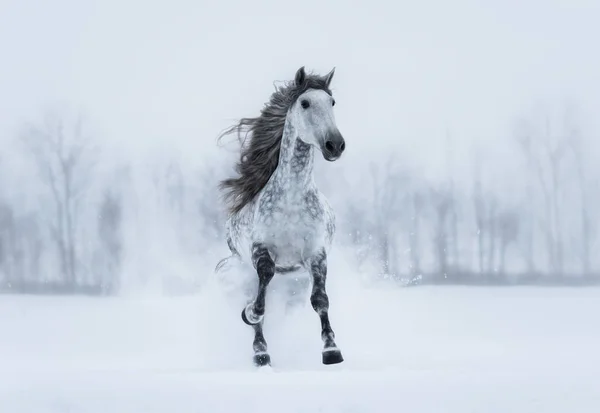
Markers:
point(254, 312)
point(261, 355)
point(320, 303)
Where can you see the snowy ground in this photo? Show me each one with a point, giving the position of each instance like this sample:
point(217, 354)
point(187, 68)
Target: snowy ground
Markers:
point(425, 349)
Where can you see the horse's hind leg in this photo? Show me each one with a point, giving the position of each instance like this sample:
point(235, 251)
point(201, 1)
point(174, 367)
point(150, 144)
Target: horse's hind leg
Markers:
point(320, 303)
point(254, 312)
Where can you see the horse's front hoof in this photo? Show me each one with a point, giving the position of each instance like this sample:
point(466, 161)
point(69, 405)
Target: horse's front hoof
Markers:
point(332, 356)
point(262, 359)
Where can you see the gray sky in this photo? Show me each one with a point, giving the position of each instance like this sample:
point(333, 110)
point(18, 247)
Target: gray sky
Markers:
point(172, 74)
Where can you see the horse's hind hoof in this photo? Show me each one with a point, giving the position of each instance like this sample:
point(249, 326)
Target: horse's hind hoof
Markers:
point(332, 356)
point(262, 359)
point(244, 317)
point(252, 321)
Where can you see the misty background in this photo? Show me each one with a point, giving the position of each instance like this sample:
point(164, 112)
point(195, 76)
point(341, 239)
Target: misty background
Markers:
point(472, 137)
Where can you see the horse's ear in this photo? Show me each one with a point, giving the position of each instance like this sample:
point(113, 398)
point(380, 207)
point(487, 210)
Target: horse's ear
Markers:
point(300, 76)
point(329, 76)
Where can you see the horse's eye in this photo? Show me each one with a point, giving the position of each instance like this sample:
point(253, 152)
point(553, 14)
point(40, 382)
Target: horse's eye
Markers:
point(332, 102)
point(305, 104)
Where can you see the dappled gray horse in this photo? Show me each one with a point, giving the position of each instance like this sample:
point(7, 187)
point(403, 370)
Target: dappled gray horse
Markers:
point(278, 219)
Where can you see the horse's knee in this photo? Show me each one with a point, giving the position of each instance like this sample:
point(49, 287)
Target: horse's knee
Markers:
point(263, 262)
point(265, 267)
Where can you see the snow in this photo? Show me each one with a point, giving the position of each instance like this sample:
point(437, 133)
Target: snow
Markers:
point(421, 349)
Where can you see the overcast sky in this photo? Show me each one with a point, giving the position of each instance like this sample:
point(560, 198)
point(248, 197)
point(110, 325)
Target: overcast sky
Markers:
point(171, 74)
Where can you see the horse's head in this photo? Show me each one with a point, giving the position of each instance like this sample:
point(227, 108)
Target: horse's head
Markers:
point(314, 120)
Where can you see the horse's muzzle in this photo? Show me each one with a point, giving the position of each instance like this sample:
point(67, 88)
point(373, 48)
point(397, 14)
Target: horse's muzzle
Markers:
point(333, 146)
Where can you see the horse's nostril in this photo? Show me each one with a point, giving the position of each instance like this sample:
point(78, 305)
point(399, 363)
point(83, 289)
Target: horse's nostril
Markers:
point(329, 146)
point(342, 146)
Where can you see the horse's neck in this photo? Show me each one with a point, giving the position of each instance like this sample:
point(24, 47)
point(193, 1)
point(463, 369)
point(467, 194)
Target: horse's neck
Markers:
point(295, 168)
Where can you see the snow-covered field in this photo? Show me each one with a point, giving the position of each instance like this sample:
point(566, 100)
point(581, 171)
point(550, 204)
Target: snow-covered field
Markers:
point(425, 349)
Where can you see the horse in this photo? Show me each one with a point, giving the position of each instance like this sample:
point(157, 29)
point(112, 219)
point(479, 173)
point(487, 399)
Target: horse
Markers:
point(278, 220)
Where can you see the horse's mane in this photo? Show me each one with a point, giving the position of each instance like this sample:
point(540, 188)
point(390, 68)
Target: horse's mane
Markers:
point(259, 158)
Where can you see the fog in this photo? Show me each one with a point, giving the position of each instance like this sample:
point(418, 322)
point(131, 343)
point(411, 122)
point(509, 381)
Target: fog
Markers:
point(448, 91)
point(472, 136)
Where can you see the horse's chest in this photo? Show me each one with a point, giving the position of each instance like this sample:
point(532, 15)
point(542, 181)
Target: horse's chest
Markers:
point(292, 226)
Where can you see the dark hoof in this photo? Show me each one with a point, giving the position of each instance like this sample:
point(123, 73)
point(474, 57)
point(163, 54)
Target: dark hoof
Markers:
point(245, 319)
point(250, 323)
point(332, 356)
point(262, 359)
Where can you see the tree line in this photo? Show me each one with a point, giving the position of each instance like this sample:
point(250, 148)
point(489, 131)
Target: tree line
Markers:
point(538, 228)
point(72, 224)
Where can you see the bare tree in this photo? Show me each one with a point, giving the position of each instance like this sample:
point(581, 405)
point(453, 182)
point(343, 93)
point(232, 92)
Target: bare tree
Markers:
point(414, 234)
point(496, 229)
point(5, 225)
point(480, 222)
point(588, 227)
point(544, 153)
point(484, 210)
point(7, 242)
point(63, 153)
point(388, 183)
point(27, 250)
point(492, 232)
point(508, 232)
point(453, 203)
point(442, 204)
point(529, 231)
point(109, 232)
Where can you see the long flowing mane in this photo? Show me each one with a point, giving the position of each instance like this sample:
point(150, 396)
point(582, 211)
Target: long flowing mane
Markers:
point(259, 158)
